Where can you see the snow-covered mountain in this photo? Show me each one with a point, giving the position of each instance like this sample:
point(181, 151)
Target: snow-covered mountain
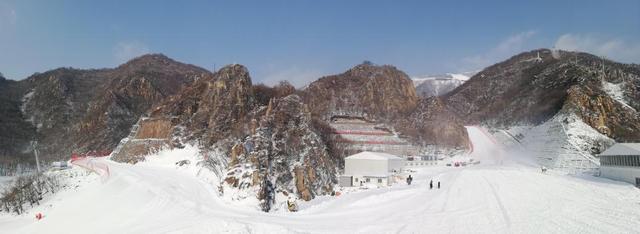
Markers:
point(437, 85)
point(562, 107)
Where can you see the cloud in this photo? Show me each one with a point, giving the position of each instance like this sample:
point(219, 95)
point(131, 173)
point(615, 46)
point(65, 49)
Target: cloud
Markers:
point(612, 48)
point(124, 51)
point(298, 77)
point(505, 49)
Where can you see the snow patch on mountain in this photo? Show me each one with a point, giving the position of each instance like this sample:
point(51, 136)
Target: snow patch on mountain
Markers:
point(437, 85)
point(615, 92)
point(23, 108)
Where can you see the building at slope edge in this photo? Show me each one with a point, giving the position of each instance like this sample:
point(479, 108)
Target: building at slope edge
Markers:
point(370, 168)
point(621, 162)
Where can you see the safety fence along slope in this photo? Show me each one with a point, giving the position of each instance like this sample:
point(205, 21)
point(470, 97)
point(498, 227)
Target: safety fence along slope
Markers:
point(94, 165)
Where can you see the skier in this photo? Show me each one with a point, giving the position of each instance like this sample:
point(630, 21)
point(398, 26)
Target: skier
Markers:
point(409, 179)
point(438, 184)
point(431, 184)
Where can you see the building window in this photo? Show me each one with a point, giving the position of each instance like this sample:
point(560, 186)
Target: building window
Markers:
point(621, 160)
point(379, 181)
point(368, 180)
point(356, 180)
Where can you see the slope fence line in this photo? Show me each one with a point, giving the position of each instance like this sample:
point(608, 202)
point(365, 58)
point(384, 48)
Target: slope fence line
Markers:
point(90, 163)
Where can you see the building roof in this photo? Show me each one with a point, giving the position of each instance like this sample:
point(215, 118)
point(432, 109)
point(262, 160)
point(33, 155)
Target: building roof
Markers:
point(623, 149)
point(374, 156)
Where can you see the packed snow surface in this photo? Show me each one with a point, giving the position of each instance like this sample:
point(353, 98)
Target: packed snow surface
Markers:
point(500, 195)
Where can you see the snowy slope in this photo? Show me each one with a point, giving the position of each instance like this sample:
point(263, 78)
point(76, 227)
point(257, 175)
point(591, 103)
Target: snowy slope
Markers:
point(563, 142)
point(501, 195)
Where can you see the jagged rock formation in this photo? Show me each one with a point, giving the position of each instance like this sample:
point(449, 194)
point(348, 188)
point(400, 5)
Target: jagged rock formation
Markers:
point(76, 110)
point(249, 145)
point(286, 147)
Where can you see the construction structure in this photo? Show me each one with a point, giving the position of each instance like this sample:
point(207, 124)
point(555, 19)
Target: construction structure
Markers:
point(358, 134)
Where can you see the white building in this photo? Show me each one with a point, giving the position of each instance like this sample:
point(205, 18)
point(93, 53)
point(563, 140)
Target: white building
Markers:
point(421, 161)
point(621, 162)
point(366, 168)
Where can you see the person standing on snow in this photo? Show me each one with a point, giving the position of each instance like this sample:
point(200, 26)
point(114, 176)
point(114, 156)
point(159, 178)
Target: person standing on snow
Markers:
point(438, 184)
point(409, 179)
point(431, 184)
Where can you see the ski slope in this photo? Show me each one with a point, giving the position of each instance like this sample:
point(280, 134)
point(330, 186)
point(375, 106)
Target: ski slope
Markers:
point(501, 195)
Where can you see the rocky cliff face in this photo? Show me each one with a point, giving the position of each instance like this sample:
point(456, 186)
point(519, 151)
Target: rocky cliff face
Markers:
point(611, 118)
point(85, 110)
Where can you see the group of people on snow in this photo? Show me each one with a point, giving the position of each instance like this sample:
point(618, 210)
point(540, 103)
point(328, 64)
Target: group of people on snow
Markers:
point(410, 179)
point(431, 184)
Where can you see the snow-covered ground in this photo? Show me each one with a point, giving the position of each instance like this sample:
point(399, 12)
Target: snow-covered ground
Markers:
point(501, 195)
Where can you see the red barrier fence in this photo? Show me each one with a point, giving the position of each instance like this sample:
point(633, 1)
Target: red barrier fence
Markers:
point(373, 142)
point(76, 156)
point(354, 132)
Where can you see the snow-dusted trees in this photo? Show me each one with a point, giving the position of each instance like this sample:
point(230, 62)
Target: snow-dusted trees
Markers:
point(28, 190)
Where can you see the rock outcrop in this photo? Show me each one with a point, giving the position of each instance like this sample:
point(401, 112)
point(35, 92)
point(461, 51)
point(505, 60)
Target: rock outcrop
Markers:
point(214, 108)
point(379, 92)
point(257, 150)
point(287, 151)
point(603, 113)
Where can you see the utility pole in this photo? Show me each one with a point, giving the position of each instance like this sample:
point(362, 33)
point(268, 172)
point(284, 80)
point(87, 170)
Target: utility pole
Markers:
point(602, 65)
point(34, 145)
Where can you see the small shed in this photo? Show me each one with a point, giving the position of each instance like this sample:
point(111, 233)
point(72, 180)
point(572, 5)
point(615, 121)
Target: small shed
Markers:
point(370, 168)
point(59, 165)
